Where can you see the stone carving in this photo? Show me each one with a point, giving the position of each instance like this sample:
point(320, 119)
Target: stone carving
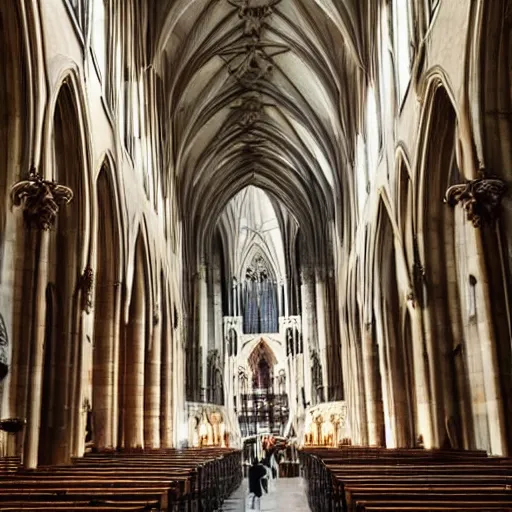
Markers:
point(249, 110)
point(480, 198)
point(257, 271)
point(316, 376)
point(4, 347)
point(86, 284)
point(41, 200)
point(251, 62)
point(254, 15)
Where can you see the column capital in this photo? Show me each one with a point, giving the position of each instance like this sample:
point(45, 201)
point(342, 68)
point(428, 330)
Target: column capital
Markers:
point(480, 198)
point(40, 200)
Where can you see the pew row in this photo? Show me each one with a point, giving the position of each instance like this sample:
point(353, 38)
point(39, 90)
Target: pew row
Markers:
point(371, 479)
point(153, 481)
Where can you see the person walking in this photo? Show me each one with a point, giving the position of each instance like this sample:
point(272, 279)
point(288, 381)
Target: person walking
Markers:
point(256, 472)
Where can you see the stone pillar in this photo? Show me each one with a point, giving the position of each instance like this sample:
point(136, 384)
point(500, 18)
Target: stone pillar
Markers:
point(386, 379)
point(421, 385)
point(321, 313)
point(134, 361)
point(308, 335)
point(489, 354)
point(152, 387)
point(41, 201)
point(371, 386)
point(166, 404)
point(234, 306)
point(103, 365)
point(203, 326)
point(286, 298)
point(35, 381)
point(280, 297)
point(116, 357)
point(217, 311)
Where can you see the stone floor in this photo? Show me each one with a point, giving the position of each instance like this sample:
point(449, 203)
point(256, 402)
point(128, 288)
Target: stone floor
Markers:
point(288, 494)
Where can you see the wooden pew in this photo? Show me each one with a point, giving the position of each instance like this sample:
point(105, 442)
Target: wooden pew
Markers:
point(363, 479)
point(158, 480)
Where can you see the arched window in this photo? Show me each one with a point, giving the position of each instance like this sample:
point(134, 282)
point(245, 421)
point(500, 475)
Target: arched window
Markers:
point(260, 302)
point(401, 45)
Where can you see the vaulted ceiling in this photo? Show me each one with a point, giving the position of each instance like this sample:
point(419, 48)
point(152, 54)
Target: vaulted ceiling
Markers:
point(264, 93)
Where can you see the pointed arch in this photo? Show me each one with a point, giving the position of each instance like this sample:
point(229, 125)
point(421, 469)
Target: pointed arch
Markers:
point(139, 320)
point(438, 286)
point(106, 311)
point(394, 357)
point(69, 246)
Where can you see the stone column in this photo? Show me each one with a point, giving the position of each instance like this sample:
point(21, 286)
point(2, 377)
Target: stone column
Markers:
point(103, 365)
point(217, 311)
point(35, 381)
point(286, 298)
point(116, 370)
point(280, 297)
point(152, 387)
point(371, 385)
point(421, 385)
point(134, 361)
point(308, 311)
point(321, 313)
point(234, 306)
point(41, 201)
point(489, 354)
point(240, 296)
point(166, 404)
point(203, 326)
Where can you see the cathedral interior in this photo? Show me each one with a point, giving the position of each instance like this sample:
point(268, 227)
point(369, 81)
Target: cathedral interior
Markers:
point(229, 223)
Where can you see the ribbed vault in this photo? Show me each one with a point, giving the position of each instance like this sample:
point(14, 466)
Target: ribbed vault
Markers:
point(262, 93)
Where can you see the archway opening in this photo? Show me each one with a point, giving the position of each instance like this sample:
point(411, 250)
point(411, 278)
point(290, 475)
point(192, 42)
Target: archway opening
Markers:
point(106, 320)
point(394, 354)
point(134, 351)
point(60, 410)
point(443, 229)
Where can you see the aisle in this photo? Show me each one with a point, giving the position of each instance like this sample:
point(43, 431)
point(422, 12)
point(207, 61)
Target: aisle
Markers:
point(289, 495)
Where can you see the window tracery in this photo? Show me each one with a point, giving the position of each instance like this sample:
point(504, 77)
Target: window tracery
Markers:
point(260, 300)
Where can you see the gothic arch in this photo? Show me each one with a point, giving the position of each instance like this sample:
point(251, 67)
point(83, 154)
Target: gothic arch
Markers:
point(262, 361)
point(136, 337)
point(437, 287)
point(106, 311)
point(16, 112)
point(394, 356)
point(494, 86)
point(68, 249)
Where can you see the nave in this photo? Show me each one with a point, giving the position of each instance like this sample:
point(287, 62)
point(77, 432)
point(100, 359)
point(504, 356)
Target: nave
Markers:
point(223, 220)
point(285, 494)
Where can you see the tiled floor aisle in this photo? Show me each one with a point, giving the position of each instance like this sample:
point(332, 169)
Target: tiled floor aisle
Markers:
point(289, 495)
